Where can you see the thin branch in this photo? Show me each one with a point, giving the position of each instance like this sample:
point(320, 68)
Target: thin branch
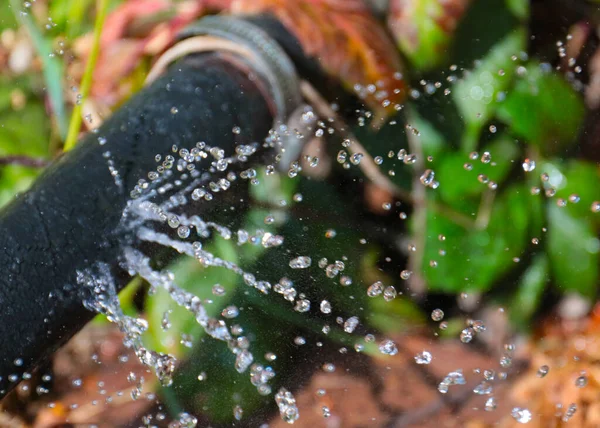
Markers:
point(415, 261)
point(368, 165)
point(484, 212)
point(24, 161)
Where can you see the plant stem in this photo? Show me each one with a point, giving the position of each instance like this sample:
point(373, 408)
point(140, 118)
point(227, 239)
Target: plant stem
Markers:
point(86, 83)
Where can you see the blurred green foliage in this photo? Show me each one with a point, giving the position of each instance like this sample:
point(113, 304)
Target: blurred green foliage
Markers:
point(520, 243)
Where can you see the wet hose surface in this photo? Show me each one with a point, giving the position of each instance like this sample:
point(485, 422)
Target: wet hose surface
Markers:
point(69, 219)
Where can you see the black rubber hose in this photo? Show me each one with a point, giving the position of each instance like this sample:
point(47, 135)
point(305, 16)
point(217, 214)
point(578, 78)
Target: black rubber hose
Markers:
point(68, 219)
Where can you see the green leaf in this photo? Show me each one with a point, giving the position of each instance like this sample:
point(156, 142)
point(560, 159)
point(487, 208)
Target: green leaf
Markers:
point(72, 17)
point(575, 178)
point(432, 141)
point(544, 109)
point(273, 188)
point(475, 259)
point(192, 277)
point(476, 95)
point(531, 288)
point(392, 317)
point(18, 137)
point(15, 179)
point(573, 249)
point(7, 18)
point(424, 29)
point(458, 183)
point(520, 8)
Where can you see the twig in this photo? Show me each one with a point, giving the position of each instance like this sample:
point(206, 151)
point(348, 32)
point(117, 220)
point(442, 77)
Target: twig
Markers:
point(24, 161)
point(368, 165)
point(484, 212)
point(415, 261)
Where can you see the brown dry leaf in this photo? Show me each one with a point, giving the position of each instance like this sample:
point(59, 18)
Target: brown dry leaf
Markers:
point(350, 400)
point(136, 29)
point(341, 34)
point(570, 350)
point(104, 397)
point(392, 391)
point(347, 40)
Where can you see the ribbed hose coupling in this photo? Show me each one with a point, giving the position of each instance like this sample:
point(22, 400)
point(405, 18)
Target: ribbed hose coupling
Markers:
point(235, 35)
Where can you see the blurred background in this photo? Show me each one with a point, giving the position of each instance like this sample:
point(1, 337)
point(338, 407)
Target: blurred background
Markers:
point(474, 246)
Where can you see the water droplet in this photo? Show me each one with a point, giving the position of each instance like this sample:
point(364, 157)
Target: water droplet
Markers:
point(486, 157)
point(287, 406)
point(183, 232)
point(595, 207)
point(325, 307)
point(238, 412)
point(230, 312)
point(389, 293)
point(173, 221)
point(484, 388)
point(184, 420)
point(345, 280)
point(427, 177)
point(490, 404)
point(505, 361)
point(467, 335)
point(350, 324)
point(301, 262)
point(453, 378)
point(302, 305)
point(437, 315)
point(423, 357)
point(388, 347)
point(570, 412)
point(356, 158)
point(478, 326)
point(520, 415)
point(581, 381)
point(243, 360)
point(543, 371)
point(375, 289)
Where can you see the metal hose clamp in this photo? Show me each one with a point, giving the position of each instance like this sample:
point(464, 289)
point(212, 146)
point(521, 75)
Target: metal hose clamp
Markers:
point(235, 35)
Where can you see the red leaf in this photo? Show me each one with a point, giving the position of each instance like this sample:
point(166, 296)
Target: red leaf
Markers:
point(347, 40)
